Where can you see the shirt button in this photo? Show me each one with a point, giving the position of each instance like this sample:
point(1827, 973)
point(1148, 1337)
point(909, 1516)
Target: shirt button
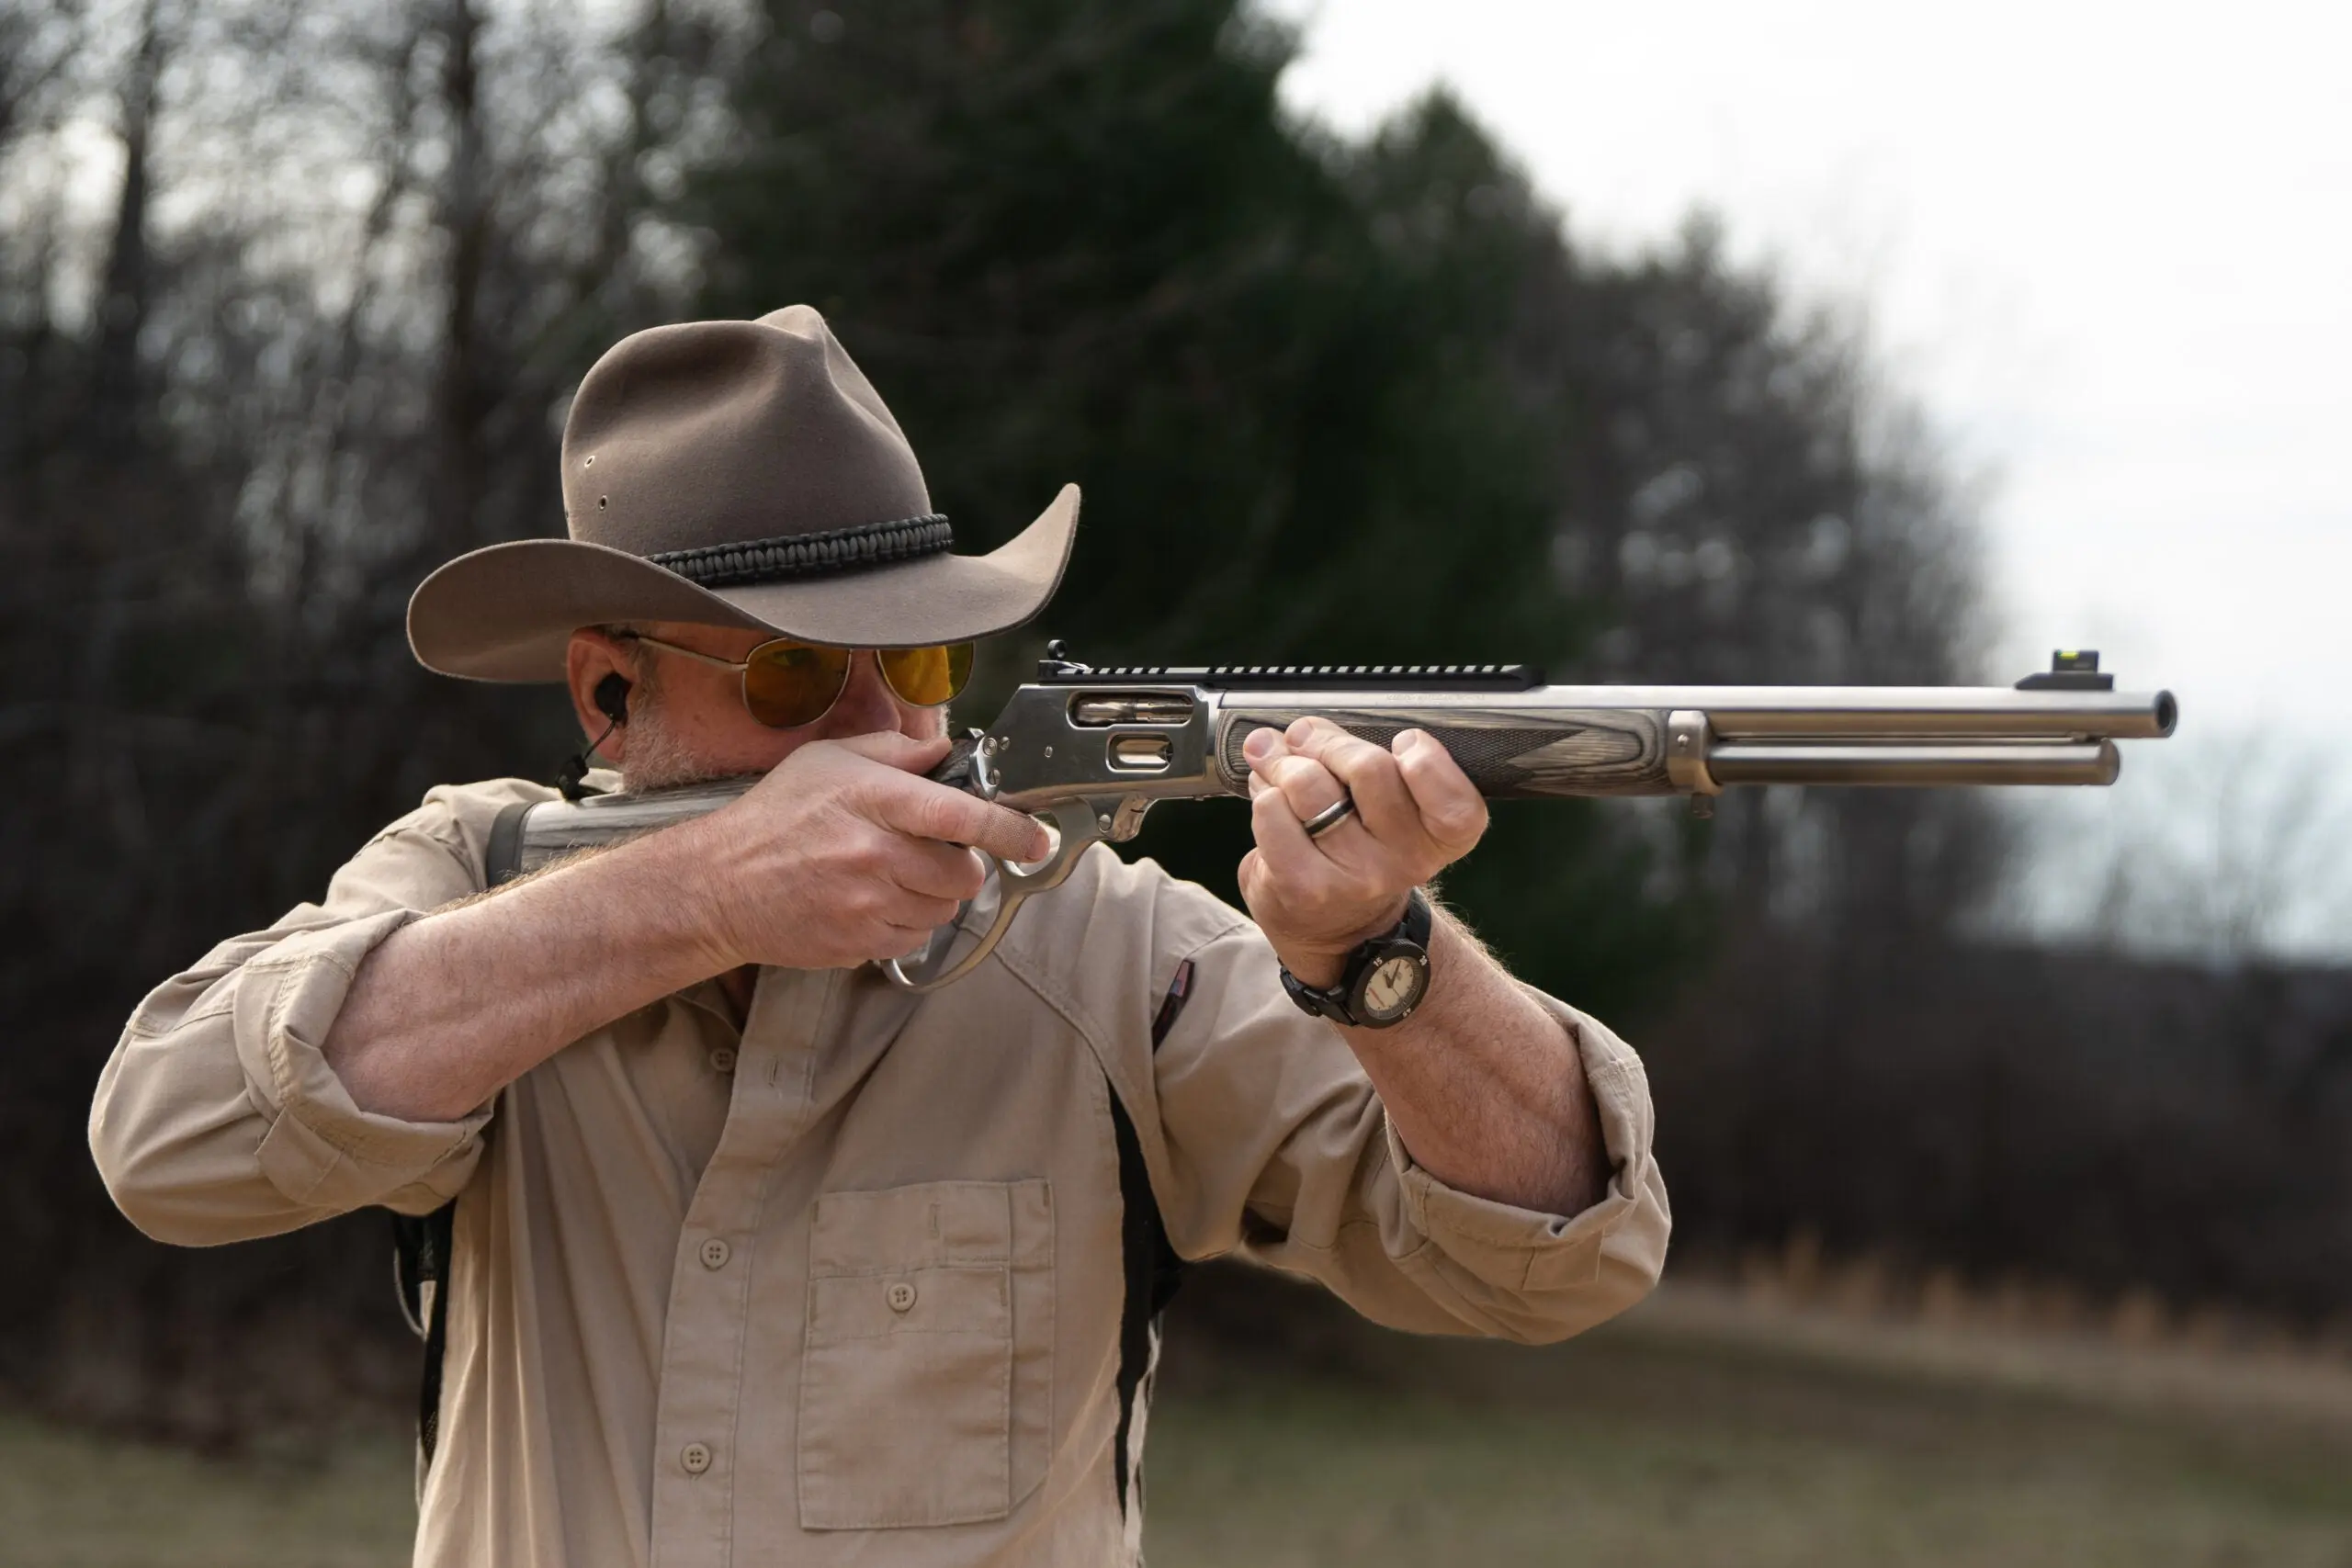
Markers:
point(900, 1295)
point(722, 1060)
point(714, 1253)
point(695, 1457)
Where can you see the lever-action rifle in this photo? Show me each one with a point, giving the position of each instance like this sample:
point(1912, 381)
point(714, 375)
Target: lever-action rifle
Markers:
point(1091, 751)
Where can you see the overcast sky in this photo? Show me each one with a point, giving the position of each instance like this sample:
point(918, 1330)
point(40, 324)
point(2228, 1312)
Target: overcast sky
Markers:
point(2107, 246)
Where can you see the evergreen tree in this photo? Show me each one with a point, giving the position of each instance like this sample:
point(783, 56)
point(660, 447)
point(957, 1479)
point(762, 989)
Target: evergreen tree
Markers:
point(1084, 242)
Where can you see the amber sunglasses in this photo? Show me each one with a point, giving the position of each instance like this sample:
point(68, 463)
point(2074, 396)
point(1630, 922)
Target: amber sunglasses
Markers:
point(788, 684)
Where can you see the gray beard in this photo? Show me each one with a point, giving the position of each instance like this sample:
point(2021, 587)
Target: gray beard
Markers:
point(657, 760)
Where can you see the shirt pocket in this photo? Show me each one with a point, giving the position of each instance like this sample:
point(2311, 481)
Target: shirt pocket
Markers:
point(926, 1386)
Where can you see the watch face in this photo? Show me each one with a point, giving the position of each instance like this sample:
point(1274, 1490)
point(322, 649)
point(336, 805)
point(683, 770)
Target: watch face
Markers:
point(1393, 989)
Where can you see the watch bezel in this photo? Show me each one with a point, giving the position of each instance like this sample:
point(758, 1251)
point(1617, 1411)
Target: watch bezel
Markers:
point(1344, 1003)
point(1376, 957)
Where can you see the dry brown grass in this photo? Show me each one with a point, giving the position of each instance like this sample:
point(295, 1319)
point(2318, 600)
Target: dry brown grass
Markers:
point(1718, 1424)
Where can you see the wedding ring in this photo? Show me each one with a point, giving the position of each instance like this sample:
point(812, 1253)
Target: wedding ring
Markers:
point(1330, 816)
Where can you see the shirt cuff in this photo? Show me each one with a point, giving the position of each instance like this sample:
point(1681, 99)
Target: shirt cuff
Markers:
point(321, 1150)
point(1526, 1250)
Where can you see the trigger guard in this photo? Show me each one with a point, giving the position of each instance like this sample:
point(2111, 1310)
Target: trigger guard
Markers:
point(1080, 828)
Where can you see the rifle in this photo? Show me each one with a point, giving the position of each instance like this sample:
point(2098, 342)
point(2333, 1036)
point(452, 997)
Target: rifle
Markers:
point(1089, 751)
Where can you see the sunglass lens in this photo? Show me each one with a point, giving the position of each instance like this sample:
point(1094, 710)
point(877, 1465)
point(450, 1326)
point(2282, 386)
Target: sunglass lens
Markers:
point(787, 685)
point(926, 677)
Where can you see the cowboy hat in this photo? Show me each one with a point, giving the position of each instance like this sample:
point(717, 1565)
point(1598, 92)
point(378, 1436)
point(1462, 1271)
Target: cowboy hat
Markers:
point(736, 474)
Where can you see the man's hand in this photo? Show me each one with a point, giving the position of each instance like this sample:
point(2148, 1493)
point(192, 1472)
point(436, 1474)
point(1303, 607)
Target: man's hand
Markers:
point(846, 853)
point(1415, 813)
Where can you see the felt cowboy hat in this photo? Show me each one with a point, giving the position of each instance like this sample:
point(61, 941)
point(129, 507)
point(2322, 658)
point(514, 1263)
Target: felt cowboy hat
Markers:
point(736, 474)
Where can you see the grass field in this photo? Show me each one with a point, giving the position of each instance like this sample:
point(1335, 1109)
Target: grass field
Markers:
point(1690, 1435)
point(1631, 1450)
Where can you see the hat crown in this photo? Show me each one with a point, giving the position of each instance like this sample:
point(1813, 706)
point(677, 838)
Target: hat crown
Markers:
point(708, 434)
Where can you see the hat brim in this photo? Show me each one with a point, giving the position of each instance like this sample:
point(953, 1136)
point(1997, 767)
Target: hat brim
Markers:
point(507, 612)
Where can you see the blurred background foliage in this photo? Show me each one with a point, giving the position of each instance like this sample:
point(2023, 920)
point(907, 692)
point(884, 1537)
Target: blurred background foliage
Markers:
point(292, 299)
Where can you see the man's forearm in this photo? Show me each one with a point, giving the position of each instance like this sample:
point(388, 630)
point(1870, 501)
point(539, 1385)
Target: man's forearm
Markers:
point(451, 1007)
point(840, 855)
point(1485, 1087)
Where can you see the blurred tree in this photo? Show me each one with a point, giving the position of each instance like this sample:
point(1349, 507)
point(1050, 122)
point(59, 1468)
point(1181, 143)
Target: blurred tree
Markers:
point(2234, 846)
point(1085, 243)
point(1755, 506)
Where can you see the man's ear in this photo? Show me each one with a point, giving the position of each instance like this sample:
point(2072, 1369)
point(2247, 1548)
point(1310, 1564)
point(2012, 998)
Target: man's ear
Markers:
point(600, 672)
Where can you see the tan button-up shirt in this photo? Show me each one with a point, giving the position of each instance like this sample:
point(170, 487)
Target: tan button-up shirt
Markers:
point(842, 1284)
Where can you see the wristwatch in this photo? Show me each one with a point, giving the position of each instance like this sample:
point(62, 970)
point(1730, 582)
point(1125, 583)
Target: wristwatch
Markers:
point(1385, 977)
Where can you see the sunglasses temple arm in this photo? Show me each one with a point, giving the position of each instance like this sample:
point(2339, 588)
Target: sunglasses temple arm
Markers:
point(711, 658)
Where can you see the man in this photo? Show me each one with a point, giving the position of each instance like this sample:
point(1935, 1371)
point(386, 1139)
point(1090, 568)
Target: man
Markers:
point(757, 1258)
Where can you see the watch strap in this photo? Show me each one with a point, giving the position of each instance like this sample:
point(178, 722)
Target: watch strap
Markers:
point(1417, 922)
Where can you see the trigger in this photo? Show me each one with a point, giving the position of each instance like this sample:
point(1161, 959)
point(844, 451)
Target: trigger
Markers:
point(985, 782)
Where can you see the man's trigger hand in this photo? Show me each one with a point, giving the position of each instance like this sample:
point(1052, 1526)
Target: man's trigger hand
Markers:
point(846, 854)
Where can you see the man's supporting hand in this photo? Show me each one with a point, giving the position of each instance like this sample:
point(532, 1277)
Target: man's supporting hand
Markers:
point(1316, 899)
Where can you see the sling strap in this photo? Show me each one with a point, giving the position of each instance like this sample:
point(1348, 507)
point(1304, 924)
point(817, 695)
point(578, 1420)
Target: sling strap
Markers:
point(421, 1271)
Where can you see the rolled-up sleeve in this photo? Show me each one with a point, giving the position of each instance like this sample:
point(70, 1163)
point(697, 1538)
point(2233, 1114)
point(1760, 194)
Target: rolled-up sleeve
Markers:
point(1537, 1276)
point(218, 1117)
point(1277, 1146)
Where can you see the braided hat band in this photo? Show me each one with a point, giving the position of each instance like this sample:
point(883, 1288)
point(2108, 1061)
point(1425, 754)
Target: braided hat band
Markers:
point(793, 556)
